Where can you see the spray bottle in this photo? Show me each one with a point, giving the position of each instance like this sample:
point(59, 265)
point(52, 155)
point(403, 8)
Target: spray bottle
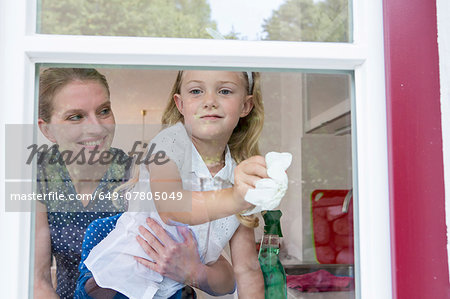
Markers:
point(273, 271)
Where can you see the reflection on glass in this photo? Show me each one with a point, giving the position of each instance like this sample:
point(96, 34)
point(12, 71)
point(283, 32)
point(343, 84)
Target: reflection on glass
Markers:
point(158, 18)
point(306, 114)
point(284, 20)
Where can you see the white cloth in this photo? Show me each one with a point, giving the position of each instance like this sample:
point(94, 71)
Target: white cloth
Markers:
point(269, 192)
point(112, 261)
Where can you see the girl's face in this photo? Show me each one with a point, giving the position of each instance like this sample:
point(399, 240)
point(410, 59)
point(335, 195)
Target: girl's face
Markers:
point(212, 103)
point(81, 118)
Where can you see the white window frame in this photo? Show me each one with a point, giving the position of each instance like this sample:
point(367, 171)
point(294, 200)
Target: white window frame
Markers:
point(21, 48)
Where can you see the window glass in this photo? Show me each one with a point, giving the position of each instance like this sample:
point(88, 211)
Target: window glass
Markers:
point(281, 20)
point(306, 114)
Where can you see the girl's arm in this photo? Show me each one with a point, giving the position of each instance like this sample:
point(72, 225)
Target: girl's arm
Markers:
point(250, 281)
point(43, 287)
point(181, 262)
point(200, 207)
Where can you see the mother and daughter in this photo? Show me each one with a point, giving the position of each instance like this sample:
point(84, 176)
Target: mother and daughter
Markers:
point(214, 120)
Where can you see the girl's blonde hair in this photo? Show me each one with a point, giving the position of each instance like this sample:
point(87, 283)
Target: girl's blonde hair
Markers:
point(243, 142)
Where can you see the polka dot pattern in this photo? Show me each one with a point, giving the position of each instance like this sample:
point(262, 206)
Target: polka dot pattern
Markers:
point(69, 219)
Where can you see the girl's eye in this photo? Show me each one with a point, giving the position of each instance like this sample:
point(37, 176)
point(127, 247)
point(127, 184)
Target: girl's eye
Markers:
point(75, 117)
point(225, 91)
point(195, 91)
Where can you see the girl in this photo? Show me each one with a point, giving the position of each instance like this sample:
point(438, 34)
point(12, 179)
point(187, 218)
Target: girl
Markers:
point(215, 120)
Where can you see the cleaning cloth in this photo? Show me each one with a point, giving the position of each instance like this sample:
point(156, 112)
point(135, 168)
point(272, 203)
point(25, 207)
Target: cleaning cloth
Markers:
point(320, 281)
point(113, 265)
point(269, 192)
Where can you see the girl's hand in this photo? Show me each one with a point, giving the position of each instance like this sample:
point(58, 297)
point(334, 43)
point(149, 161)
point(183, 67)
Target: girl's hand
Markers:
point(246, 174)
point(178, 261)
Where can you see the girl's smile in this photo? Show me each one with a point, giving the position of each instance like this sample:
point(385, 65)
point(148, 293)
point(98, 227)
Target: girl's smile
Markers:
point(211, 117)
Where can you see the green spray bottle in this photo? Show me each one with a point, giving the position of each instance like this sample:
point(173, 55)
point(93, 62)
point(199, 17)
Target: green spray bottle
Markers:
point(273, 271)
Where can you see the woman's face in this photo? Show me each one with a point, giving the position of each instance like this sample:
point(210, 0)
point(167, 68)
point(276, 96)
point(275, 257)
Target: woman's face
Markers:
point(81, 119)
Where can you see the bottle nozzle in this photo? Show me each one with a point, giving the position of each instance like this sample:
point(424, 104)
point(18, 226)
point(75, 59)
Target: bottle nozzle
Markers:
point(272, 222)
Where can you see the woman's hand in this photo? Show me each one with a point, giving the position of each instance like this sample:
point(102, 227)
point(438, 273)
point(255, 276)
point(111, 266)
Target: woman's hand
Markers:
point(246, 174)
point(181, 261)
point(178, 261)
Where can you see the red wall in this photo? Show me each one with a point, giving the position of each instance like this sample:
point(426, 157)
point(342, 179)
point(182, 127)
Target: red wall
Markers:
point(416, 176)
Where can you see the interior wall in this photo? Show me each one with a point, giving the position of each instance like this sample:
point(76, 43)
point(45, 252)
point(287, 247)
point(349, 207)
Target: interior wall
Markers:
point(327, 164)
point(133, 90)
point(283, 129)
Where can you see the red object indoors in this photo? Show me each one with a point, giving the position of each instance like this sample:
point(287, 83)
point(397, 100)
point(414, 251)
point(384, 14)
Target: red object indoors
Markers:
point(332, 221)
point(416, 181)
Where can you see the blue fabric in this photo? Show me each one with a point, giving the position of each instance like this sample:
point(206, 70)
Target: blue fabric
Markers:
point(69, 219)
point(95, 233)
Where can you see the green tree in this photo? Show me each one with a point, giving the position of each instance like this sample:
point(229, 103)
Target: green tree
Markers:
point(306, 20)
point(158, 18)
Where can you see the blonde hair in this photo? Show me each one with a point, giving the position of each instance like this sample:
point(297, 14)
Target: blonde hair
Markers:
point(243, 142)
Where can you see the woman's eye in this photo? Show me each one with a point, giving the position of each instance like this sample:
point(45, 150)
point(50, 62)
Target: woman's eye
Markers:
point(75, 117)
point(195, 91)
point(225, 91)
point(105, 111)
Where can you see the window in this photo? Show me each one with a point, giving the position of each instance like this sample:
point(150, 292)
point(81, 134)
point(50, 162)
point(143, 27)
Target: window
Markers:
point(362, 59)
point(293, 20)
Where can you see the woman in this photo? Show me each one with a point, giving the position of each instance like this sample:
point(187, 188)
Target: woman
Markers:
point(75, 114)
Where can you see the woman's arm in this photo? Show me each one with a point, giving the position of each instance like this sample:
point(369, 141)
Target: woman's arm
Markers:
point(181, 262)
point(43, 287)
point(200, 207)
point(250, 281)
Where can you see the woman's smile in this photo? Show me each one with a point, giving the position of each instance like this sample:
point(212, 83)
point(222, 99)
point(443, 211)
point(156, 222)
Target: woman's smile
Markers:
point(93, 143)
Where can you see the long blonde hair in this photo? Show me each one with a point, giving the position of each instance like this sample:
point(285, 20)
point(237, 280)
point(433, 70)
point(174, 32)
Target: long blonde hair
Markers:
point(243, 142)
